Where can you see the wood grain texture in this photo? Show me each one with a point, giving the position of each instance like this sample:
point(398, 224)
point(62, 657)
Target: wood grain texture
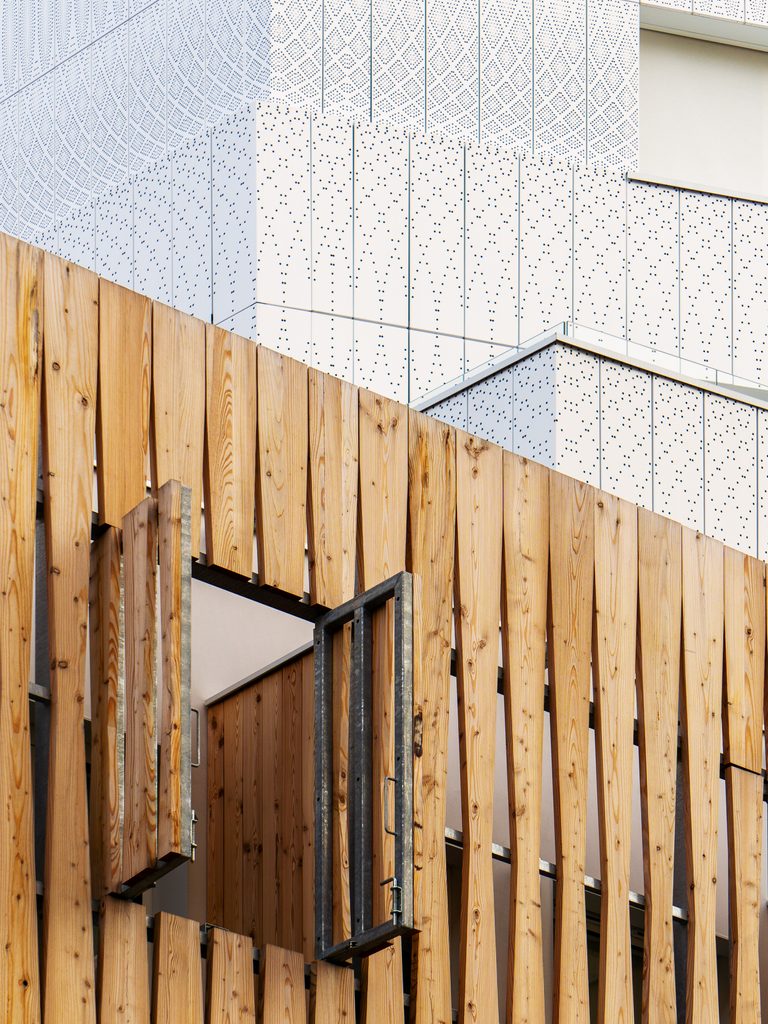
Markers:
point(571, 550)
point(232, 867)
point(271, 795)
point(123, 983)
point(332, 996)
point(106, 626)
point(140, 797)
point(744, 795)
point(744, 638)
point(432, 529)
point(291, 923)
point(122, 424)
point(658, 687)
point(178, 981)
point(283, 453)
point(342, 669)
point(70, 369)
point(21, 284)
point(216, 832)
point(479, 483)
point(613, 666)
point(178, 405)
point(701, 705)
point(333, 487)
point(524, 631)
point(230, 996)
point(282, 997)
point(229, 469)
point(252, 814)
point(308, 804)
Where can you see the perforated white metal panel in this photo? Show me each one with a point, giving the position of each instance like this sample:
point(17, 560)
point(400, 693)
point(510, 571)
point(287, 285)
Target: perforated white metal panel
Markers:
point(107, 14)
point(225, 26)
point(730, 472)
point(546, 210)
point(492, 178)
point(332, 187)
point(256, 71)
point(147, 85)
point(152, 219)
point(243, 322)
point(114, 234)
point(397, 62)
point(295, 28)
point(480, 353)
point(626, 459)
point(9, 144)
point(333, 340)
point(613, 81)
point(720, 8)
point(452, 410)
point(599, 257)
point(434, 360)
point(35, 37)
point(110, 109)
point(762, 484)
point(652, 266)
point(381, 359)
point(437, 235)
point(452, 55)
point(192, 227)
point(577, 414)
point(750, 290)
point(534, 406)
point(560, 77)
point(678, 452)
point(705, 279)
point(506, 73)
point(285, 330)
point(73, 120)
point(185, 97)
point(76, 237)
point(347, 56)
point(9, 49)
point(491, 408)
point(756, 11)
point(35, 156)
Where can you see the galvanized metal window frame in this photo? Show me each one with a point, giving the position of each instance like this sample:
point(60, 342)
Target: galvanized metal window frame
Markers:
point(366, 938)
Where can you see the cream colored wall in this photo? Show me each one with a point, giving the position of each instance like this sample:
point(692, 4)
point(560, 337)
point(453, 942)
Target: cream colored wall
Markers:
point(703, 114)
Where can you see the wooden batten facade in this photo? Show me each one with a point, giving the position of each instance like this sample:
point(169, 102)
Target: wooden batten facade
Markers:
point(568, 601)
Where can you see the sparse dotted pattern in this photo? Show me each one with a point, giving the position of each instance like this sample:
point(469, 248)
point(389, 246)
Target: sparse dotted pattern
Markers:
point(626, 462)
point(730, 464)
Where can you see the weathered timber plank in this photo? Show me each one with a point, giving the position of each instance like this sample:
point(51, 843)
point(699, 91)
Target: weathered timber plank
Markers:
point(479, 484)
point(613, 661)
point(21, 284)
point(216, 842)
point(281, 506)
point(140, 797)
point(178, 981)
point(744, 579)
point(70, 370)
point(282, 998)
point(231, 991)
point(232, 867)
point(291, 846)
point(701, 706)
point(332, 996)
point(571, 551)
point(308, 805)
point(178, 405)
point(432, 529)
point(122, 423)
point(658, 688)
point(744, 795)
point(252, 813)
point(524, 630)
point(106, 625)
point(271, 793)
point(123, 984)
point(229, 470)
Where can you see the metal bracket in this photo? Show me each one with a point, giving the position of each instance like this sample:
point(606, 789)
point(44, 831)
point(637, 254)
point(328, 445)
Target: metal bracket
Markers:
point(366, 938)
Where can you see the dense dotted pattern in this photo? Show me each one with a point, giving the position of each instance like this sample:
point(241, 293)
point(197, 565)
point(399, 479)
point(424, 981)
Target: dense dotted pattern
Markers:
point(397, 62)
point(192, 273)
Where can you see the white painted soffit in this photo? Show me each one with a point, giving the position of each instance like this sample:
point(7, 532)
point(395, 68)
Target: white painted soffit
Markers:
point(708, 27)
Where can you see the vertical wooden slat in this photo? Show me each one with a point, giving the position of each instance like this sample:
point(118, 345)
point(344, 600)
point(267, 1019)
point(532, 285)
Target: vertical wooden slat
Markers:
point(178, 405)
point(282, 481)
point(308, 805)
point(106, 625)
point(232, 867)
point(744, 580)
point(332, 997)
point(230, 996)
point(571, 548)
point(383, 433)
point(432, 527)
point(252, 813)
point(140, 567)
point(479, 482)
point(123, 985)
point(271, 791)
point(20, 355)
point(122, 424)
point(701, 704)
point(658, 687)
point(341, 669)
point(291, 846)
point(178, 982)
point(229, 470)
point(71, 331)
point(524, 615)
point(613, 660)
point(216, 831)
point(282, 998)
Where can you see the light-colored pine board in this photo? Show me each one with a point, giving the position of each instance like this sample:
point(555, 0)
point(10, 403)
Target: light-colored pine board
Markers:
point(140, 797)
point(282, 997)
point(342, 665)
point(231, 991)
point(252, 813)
point(232, 867)
point(332, 997)
point(216, 832)
point(432, 530)
point(333, 486)
point(744, 795)
point(744, 640)
point(479, 488)
point(281, 508)
point(229, 469)
point(21, 282)
point(70, 369)
point(178, 981)
point(122, 424)
point(106, 630)
point(571, 552)
point(701, 708)
point(178, 405)
point(271, 793)
point(658, 688)
point(613, 661)
point(524, 632)
point(308, 805)
point(123, 984)
point(173, 508)
point(291, 922)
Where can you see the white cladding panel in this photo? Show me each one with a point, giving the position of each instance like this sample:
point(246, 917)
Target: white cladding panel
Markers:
point(599, 252)
point(750, 290)
point(506, 73)
point(74, 151)
point(114, 235)
point(452, 62)
point(333, 344)
point(397, 63)
point(652, 273)
point(577, 414)
point(192, 273)
point(534, 406)
point(286, 330)
point(452, 410)
point(147, 86)
point(560, 77)
point(678, 452)
point(730, 471)
point(225, 28)
point(332, 191)
point(762, 484)
point(491, 408)
point(9, 146)
point(705, 279)
point(434, 359)
point(381, 354)
point(75, 238)
point(626, 446)
point(185, 92)
point(613, 81)
point(152, 218)
point(347, 56)
point(35, 163)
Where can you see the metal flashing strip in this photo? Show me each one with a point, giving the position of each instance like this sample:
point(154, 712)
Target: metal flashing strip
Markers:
point(710, 28)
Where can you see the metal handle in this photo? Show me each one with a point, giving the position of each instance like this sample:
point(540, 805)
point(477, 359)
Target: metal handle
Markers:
point(387, 829)
point(196, 713)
